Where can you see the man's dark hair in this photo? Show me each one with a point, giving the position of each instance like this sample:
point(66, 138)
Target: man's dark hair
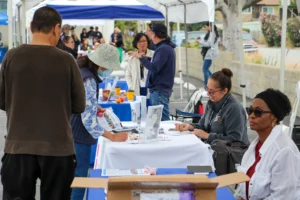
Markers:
point(45, 19)
point(138, 37)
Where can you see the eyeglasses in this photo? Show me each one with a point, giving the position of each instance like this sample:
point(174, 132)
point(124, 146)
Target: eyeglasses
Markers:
point(142, 41)
point(257, 111)
point(211, 92)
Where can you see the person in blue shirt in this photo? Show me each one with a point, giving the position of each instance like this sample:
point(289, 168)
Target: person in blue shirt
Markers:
point(160, 79)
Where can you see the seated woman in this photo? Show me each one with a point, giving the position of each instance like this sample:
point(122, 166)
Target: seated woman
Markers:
point(136, 73)
point(85, 45)
point(224, 116)
point(272, 160)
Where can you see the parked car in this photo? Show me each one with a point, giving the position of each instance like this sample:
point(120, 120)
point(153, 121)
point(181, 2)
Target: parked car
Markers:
point(249, 44)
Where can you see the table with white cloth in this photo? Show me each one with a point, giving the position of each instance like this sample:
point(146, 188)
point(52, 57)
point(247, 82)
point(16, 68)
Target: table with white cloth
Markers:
point(177, 152)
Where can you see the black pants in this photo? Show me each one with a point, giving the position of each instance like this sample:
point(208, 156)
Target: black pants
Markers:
point(19, 173)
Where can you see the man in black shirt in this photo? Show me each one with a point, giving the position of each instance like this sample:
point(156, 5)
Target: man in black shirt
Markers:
point(90, 31)
point(96, 33)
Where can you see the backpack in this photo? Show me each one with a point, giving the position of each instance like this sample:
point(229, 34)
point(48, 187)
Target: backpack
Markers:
point(198, 109)
point(227, 155)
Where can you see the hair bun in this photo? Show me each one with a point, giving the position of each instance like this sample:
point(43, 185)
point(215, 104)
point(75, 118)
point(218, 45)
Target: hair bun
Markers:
point(227, 72)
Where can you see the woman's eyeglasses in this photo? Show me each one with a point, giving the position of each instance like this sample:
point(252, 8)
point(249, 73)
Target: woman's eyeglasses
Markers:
point(257, 112)
point(211, 92)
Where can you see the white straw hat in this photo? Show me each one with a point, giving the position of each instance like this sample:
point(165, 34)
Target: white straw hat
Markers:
point(106, 56)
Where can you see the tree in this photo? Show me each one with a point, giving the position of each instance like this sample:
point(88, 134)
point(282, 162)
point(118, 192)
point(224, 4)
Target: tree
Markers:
point(231, 13)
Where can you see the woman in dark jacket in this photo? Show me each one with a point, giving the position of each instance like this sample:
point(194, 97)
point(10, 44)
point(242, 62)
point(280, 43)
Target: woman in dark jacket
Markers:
point(85, 126)
point(69, 46)
point(224, 116)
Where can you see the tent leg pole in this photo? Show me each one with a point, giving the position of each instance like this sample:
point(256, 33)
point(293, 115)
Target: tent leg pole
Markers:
point(179, 60)
point(283, 43)
point(186, 55)
point(241, 55)
point(10, 24)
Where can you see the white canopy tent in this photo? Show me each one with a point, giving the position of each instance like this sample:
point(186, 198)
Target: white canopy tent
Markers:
point(184, 11)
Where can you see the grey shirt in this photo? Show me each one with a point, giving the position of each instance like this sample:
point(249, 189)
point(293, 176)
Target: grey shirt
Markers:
point(224, 120)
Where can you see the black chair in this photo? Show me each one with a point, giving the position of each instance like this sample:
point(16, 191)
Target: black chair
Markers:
point(181, 116)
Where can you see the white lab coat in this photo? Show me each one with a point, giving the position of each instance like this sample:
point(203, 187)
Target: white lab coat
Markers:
point(277, 174)
point(132, 72)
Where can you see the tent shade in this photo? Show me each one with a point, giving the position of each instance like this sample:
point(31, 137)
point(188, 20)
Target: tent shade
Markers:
point(196, 10)
point(3, 19)
point(116, 12)
point(91, 11)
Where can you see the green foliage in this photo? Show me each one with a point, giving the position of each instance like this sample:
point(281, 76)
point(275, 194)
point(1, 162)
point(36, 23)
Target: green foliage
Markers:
point(128, 42)
point(271, 28)
point(246, 30)
point(191, 45)
point(126, 26)
point(293, 27)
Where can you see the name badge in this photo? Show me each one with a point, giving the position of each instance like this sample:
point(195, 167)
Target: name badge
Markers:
point(218, 119)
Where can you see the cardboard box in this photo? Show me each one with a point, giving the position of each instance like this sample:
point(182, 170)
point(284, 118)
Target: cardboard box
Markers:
point(121, 187)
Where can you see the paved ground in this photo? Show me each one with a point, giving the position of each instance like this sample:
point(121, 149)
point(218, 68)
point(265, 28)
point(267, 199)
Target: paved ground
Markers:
point(176, 104)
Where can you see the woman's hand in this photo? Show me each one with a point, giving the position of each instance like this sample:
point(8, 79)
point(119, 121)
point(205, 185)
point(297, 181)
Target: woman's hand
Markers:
point(183, 127)
point(202, 134)
point(100, 111)
point(118, 137)
point(137, 55)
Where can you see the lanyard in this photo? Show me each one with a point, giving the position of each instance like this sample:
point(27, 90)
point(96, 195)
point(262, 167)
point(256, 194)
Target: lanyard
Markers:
point(142, 70)
point(213, 112)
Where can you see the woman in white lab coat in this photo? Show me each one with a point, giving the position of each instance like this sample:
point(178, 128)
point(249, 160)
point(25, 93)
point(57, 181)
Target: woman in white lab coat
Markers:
point(273, 160)
point(136, 73)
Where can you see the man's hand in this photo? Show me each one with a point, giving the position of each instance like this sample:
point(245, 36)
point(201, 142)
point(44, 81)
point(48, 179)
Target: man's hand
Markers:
point(183, 127)
point(100, 111)
point(202, 134)
point(137, 55)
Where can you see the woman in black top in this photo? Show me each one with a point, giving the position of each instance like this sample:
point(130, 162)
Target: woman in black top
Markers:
point(83, 35)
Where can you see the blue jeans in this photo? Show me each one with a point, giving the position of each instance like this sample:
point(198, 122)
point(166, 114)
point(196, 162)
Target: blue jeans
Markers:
point(83, 152)
point(206, 72)
point(157, 98)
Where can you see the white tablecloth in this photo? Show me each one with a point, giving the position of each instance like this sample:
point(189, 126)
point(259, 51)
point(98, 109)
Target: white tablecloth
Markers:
point(179, 152)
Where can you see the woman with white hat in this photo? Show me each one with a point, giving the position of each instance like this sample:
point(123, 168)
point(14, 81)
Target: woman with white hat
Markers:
point(85, 127)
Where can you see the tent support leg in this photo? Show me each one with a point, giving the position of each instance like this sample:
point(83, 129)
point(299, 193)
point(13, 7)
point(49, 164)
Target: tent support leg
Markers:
point(186, 54)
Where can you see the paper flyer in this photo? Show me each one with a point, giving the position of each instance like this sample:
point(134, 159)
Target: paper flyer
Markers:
point(143, 101)
point(135, 111)
point(153, 122)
